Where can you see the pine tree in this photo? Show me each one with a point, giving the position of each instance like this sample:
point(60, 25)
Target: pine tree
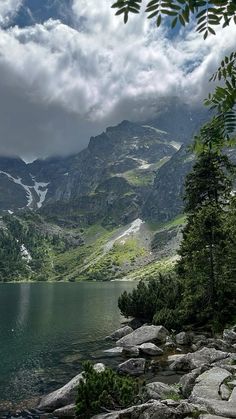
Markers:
point(205, 265)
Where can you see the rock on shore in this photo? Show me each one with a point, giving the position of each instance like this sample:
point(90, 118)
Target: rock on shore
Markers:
point(207, 390)
point(144, 334)
point(65, 395)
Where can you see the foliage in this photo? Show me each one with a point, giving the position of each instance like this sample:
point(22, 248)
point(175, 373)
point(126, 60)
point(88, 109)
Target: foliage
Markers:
point(208, 183)
point(26, 252)
point(12, 266)
point(224, 98)
point(104, 390)
point(154, 300)
point(205, 266)
point(207, 13)
point(204, 289)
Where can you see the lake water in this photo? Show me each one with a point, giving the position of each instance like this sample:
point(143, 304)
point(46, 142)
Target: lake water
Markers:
point(46, 330)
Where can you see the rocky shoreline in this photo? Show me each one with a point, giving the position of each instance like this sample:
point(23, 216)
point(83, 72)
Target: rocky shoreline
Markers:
point(205, 366)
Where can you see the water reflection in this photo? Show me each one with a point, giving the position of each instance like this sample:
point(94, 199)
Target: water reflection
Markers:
point(24, 298)
point(43, 326)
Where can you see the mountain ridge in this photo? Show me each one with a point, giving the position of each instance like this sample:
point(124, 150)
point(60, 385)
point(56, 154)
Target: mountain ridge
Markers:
point(111, 211)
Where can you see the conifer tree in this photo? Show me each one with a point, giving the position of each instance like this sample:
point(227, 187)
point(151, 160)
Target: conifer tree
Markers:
point(204, 265)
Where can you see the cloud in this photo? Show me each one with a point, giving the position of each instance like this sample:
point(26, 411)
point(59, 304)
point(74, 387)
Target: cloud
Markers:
point(8, 8)
point(61, 84)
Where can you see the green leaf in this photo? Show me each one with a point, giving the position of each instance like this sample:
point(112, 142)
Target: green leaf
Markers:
point(174, 22)
point(158, 21)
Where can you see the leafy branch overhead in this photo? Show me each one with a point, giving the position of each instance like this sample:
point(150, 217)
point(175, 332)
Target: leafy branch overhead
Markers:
point(207, 13)
point(223, 99)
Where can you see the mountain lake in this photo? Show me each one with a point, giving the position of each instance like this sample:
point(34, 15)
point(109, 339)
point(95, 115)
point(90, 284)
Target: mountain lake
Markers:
point(48, 329)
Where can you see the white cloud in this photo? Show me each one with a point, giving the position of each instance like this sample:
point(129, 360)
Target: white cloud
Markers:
point(8, 8)
point(61, 84)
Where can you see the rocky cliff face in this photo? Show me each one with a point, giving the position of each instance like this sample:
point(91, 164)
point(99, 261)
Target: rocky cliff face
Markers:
point(130, 170)
point(108, 212)
point(165, 200)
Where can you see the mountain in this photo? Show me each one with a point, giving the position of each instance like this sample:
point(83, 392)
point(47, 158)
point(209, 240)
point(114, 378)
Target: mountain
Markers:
point(110, 211)
point(111, 178)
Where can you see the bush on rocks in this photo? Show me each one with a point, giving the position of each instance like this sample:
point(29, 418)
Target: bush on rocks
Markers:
point(104, 390)
point(154, 301)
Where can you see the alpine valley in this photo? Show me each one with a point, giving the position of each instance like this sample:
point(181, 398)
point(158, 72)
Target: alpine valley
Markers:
point(112, 211)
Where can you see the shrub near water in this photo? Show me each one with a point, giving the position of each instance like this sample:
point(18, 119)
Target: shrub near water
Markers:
point(154, 301)
point(104, 390)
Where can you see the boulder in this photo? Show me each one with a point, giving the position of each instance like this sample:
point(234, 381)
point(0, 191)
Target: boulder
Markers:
point(133, 366)
point(154, 410)
point(207, 385)
point(144, 334)
point(175, 357)
point(205, 356)
point(150, 349)
point(187, 381)
point(220, 408)
point(182, 338)
point(66, 411)
point(114, 351)
point(232, 398)
point(120, 333)
point(229, 335)
point(224, 392)
point(65, 395)
point(186, 408)
point(220, 344)
point(130, 351)
point(159, 391)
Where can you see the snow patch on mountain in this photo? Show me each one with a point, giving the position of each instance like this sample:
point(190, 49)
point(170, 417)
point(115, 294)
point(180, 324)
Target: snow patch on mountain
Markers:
point(159, 131)
point(176, 145)
point(39, 187)
point(133, 228)
point(18, 181)
point(41, 190)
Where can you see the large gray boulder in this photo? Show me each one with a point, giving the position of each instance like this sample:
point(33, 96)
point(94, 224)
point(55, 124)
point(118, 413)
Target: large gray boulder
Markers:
point(114, 351)
point(207, 385)
point(229, 335)
point(130, 351)
point(66, 411)
point(133, 366)
point(232, 398)
point(220, 408)
point(159, 391)
point(120, 333)
point(65, 395)
point(150, 349)
point(175, 357)
point(154, 410)
point(187, 381)
point(144, 334)
point(205, 356)
point(207, 393)
point(186, 408)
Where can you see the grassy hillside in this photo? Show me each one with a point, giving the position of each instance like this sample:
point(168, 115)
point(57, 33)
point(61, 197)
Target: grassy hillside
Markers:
point(45, 251)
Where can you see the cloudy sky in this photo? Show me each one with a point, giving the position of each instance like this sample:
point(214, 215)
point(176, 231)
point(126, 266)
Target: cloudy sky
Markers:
point(70, 68)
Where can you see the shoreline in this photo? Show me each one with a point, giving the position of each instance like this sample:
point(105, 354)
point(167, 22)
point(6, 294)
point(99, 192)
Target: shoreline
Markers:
point(185, 354)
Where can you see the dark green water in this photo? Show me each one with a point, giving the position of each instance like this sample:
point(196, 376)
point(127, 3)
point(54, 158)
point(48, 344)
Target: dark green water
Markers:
point(46, 330)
